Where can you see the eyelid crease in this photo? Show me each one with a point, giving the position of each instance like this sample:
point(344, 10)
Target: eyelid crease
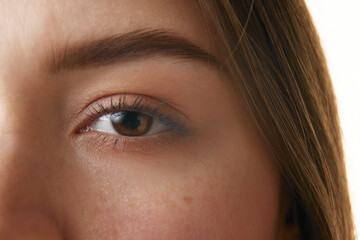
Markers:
point(80, 113)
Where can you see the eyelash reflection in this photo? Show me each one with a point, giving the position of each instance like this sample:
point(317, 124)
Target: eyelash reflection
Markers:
point(171, 119)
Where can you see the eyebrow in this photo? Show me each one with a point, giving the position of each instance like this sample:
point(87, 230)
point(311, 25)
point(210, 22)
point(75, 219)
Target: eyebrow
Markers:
point(129, 46)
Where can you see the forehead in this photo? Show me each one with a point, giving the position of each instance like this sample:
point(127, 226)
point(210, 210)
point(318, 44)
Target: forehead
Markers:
point(38, 27)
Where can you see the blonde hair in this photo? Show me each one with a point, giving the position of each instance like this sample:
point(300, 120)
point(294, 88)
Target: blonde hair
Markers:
point(272, 52)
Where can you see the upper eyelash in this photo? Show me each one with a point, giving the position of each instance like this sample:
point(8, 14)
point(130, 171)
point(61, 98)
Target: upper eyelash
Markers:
point(167, 120)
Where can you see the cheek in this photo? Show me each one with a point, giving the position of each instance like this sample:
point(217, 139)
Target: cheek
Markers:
point(216, 202)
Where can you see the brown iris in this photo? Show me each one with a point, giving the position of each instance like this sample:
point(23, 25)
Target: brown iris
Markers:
point(131, 123)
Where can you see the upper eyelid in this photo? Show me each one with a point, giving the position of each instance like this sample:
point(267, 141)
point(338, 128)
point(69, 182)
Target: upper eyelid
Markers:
point(128, 101)
point(99, 99)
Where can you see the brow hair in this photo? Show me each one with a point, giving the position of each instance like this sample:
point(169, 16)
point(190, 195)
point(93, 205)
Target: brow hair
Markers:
point(129, 46)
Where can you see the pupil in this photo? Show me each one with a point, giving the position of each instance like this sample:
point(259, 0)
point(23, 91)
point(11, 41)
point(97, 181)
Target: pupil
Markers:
point(128, 120)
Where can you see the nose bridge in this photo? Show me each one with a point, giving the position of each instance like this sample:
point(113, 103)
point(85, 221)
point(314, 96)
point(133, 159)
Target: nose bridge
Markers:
point(25, 171)
point(23, 158)
point(18, 180)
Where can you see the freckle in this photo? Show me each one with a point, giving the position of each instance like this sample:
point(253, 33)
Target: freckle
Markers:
point(188, 199)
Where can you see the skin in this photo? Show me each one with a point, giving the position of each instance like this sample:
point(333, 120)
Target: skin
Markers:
point(218, 183)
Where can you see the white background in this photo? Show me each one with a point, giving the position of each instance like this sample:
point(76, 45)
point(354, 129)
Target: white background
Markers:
point(338, 24)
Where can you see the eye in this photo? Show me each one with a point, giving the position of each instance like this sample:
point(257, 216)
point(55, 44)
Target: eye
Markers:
point(132, 115)
point(131, 122)
point(128, 123)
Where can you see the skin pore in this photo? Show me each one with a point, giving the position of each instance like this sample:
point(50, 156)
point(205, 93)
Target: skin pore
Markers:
point(213, 180)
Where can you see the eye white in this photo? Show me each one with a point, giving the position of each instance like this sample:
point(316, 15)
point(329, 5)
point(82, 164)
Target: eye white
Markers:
point(104, 124)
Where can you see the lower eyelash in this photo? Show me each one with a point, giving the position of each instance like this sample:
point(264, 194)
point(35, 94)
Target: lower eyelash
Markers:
point(133, 144)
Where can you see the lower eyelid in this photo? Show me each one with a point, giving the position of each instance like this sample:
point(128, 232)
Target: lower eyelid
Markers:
point(105, 142)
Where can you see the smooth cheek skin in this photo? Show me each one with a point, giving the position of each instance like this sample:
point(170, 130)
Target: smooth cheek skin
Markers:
point(218, 183)
point(212, 200)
